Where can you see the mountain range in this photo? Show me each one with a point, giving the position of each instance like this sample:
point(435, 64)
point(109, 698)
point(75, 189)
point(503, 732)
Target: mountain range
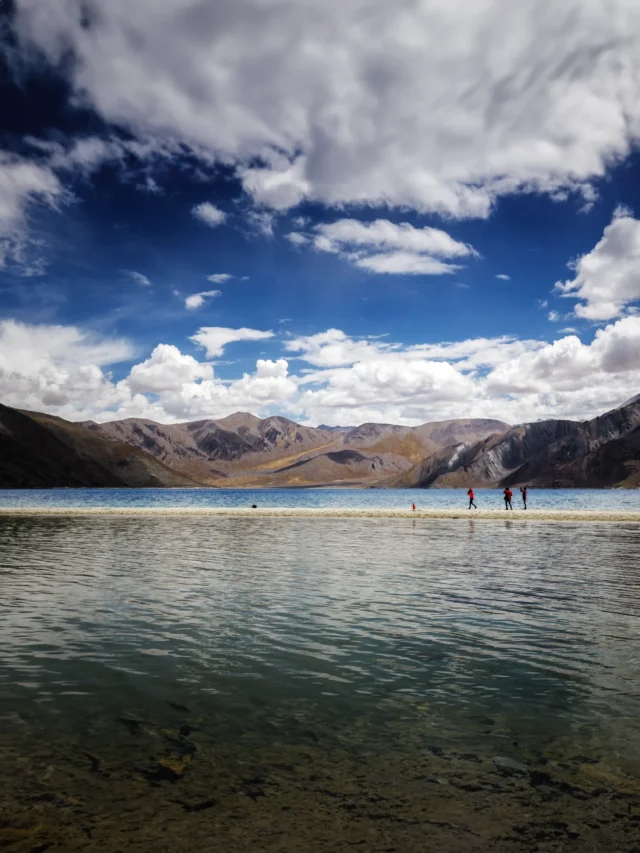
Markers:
point(243, 451)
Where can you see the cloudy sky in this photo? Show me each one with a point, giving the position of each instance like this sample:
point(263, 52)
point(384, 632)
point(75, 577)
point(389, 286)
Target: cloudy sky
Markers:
point(354, 210)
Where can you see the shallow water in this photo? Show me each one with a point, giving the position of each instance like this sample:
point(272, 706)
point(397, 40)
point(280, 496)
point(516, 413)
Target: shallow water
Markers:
point(295, 683)
point(544, 499)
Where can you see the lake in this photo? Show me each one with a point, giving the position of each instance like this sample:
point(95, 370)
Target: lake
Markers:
point(546, 499)
point(288, 684)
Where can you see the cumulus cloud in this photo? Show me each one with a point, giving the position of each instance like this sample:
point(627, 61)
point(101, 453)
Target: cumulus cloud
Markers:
point(386, 247)
point(209, 214)
point(503, 277)
point(58, 368)
point(341, 379)
point(167, 369)
point(334, 348)
point(219, 278)
point(139, 278)
point(516, 380)
point(278, 188)
point(196, 300)
point(607, 279)
point(215, 338)
point(438, 107)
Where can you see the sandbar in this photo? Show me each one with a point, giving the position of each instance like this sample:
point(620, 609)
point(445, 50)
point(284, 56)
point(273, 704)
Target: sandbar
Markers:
point(582, 515)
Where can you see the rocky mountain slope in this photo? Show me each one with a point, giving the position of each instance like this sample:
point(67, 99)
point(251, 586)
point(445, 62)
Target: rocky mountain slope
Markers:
point(42, 451)
point(38, 450)
point(243, 451)
point(551, 453)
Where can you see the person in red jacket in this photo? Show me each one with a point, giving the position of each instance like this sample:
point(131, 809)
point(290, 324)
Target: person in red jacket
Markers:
point(524, 495)
point(508, 494)
point(471, 497)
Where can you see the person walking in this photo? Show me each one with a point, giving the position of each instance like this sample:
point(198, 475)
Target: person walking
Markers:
point(508, 494)
point(523, 492)
point(471, 496)
point(413, 507)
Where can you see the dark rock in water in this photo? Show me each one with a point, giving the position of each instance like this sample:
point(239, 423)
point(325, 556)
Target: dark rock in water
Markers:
point(134, 727)
point(435, 750)
point(511, 767)
point(177, 707)
point(164, 770)
point(253, 788)
point(584, 759)
point(180, 746)
point(199, 807)
point(536, 778)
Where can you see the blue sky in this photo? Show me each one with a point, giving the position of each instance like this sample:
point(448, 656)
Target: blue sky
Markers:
point(398, 213)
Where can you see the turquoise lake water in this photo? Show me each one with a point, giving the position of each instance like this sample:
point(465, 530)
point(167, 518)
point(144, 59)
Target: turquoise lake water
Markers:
point(287, 683)
point(594, 499)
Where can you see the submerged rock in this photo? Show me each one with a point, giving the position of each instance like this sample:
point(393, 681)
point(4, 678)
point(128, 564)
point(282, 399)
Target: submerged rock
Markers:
point(511, 766)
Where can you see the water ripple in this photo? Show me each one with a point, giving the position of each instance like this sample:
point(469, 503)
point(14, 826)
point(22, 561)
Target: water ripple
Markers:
point(538, 624)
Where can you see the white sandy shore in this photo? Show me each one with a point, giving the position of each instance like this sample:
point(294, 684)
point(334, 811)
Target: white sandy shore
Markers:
point(246, 512)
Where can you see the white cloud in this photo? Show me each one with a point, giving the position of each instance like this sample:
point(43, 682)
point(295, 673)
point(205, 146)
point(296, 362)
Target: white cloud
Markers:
point(278, 188)
point(215, 338)
point(503, 277)
point(24, 186)
point(139, 278)
point(334, 348)
point(262, 221)
point(554, 316)
point(405, 263)
point(438, 107)
point(516, 380)
point(167, 369)
point(64, 370)
point(296, 238)
point(608, 278)
point(383, 235)
point(386, 247)
point(209, 214)
point(219, 278)
point(57, 368)
point(196, 300)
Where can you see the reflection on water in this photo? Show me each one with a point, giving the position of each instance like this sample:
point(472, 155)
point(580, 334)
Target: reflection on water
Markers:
point(172, 654)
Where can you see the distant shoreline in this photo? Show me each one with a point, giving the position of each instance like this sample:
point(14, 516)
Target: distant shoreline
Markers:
point(334, 513)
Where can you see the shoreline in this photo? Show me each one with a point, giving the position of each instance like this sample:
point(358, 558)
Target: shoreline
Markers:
point(301, 512)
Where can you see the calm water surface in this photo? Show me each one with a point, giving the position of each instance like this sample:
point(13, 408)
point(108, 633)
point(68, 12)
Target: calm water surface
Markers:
point(594, 499)
point(209, 644)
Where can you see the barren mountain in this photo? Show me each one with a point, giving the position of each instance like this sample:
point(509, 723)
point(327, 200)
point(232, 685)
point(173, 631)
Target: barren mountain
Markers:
point(242, 450)
point(245, 451)
point(549, 453)
point(210, 451)
point(41, 451)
